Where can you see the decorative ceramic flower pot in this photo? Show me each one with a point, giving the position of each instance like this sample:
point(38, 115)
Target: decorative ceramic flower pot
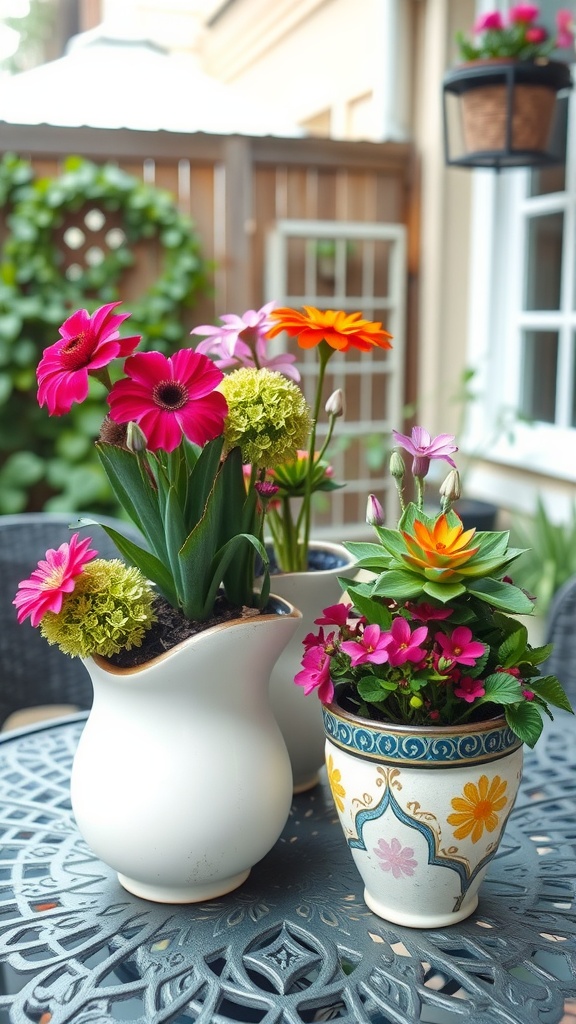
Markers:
point(422, 810)
point(299, 717)
point(182, 781)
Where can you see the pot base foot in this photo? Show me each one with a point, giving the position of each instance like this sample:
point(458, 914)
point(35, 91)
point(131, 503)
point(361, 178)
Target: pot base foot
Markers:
point(419, 920)
point(182, 893)
point(303, 785)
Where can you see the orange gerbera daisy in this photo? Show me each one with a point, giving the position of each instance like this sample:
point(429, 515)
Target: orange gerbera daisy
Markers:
point(476, 810)
point(442, 546)
point(341, 331)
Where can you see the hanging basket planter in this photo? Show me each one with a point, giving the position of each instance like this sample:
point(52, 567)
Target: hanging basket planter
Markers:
point(506, 111)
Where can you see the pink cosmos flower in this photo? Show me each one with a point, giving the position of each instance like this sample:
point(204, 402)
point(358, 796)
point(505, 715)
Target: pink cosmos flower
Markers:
point(460, 647)
point(423, 448)
point(315, 674)
point(396, 858)
point(55, 576)
point(241, 341)
point(404, 644)
point(170, 396)
point(335, 615)
point(87, 343)
point(565, 26)
point(469, 689)
point(523, 14)
point(372, 647)
point(489, 23)
point(424, 612)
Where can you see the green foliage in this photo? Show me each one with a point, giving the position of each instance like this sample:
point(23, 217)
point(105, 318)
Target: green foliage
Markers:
point(37, 295)
point(551, 556)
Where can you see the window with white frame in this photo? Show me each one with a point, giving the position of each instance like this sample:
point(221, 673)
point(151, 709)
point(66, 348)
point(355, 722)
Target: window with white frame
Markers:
point(523, 316)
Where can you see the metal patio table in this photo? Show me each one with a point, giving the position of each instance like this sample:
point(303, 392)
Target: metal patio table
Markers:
point(296, 942)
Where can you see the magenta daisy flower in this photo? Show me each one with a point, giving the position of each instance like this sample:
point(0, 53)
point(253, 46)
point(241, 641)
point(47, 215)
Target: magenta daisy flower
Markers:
point(469, 689)
point(241, 341)
point(404, 644)
point(371, 647)
point(87, 343)
point(170, 396)
point(55, 576)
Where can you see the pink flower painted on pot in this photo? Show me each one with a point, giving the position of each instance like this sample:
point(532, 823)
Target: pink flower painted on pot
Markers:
point(460, 647)
point(396, 858)
point(55, 576)
point(372, 647)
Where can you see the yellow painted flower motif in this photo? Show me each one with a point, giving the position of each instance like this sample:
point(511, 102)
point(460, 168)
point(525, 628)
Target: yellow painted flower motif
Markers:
point(334, 778)
point(476, 811)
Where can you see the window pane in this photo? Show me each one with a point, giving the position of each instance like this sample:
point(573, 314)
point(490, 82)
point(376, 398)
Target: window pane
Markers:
point(544, 262)
point(539, 369)
point(573, 420)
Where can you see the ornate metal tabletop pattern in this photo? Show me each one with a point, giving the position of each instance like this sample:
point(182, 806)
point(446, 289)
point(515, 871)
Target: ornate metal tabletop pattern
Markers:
point(295, 943)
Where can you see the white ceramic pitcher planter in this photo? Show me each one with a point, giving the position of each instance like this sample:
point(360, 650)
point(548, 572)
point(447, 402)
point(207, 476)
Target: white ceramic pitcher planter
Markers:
point(422, 810)
point(300, 718)
point(182, 782)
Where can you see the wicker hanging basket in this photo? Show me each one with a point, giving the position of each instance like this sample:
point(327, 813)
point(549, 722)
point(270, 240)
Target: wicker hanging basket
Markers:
point(507, 110)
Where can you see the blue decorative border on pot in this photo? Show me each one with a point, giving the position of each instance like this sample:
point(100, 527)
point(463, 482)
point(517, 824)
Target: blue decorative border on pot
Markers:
point(431, 748)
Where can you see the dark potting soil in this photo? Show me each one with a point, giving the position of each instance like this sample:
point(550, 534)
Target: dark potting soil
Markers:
point(171, 628)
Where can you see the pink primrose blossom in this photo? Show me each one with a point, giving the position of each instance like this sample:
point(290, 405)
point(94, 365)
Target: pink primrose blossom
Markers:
point(240, 341)
point(371, 647)
point(404, 645)
point(565, 27)
point(170, 396)
point(491, 22)
point(55, 576)
point(424, 612)
point(528, 694)
point(87, 343)
point(423, 448)
point(315, 674)
point(460, 647)
point(469, 689)
point(335, 615)
point(396, 858)
point(523, 14)
point(510, 671)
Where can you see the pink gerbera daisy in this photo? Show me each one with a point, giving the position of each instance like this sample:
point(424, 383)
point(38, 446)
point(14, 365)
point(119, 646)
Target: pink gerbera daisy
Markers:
point(55, 576)
point(170, 396)
point(87, 343)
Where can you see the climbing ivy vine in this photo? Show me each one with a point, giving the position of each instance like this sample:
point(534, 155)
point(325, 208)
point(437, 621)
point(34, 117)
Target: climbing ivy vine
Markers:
point(48, 463)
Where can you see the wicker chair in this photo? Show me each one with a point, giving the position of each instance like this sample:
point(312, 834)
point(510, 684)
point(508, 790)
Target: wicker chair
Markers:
point(561, 631)
point(33, 674)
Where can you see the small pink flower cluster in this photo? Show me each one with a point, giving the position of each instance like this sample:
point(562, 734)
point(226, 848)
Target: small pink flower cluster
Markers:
point(518, 35)
point(418, 664)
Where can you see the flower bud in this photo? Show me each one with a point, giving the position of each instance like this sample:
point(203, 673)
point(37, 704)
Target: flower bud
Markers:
point(136, 440)
point(397, 467)
point(374, 511)
point(450, 489)
point(416, 702)
point(336, 404)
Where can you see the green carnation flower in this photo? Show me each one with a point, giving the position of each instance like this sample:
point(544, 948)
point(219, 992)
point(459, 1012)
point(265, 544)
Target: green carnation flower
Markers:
point(268, 416)
point(109, 610)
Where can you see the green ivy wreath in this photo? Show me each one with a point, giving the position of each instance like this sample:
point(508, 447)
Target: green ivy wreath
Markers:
point(41, 467)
